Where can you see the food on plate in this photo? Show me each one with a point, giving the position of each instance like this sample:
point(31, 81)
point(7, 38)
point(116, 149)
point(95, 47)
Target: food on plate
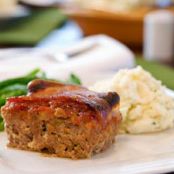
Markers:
point(62, 120)
point(144, 104)
point(18, 86)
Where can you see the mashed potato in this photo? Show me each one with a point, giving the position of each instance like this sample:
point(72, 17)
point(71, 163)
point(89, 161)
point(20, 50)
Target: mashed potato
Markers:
point(145, 107)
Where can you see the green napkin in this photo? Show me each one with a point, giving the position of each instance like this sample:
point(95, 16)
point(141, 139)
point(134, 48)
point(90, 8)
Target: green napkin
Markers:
point(31, 29)
point(160, 72)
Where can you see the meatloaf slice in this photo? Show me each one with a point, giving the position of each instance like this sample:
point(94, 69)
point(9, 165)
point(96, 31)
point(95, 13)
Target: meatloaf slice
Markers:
point(62, 120)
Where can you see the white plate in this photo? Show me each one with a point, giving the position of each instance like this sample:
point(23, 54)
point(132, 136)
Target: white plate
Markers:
point(141, 154)
point(152, 153)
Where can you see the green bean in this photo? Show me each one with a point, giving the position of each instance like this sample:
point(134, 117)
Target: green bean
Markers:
point(1, 126)
point(13, 88)
point(10, 91)
point(33, 72)
point(2, 101)
point(1, 119)
point(23, 80)
point(73, 79)
point(37, 72)
point(13, 93)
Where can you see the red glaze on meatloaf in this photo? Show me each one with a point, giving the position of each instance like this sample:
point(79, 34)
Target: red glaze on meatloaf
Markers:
point(62, 120)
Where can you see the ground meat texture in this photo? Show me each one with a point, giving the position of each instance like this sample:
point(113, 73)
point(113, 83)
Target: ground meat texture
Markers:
point(62, 120)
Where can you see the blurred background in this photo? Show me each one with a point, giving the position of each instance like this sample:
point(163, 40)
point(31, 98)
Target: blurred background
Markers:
point(146, 27)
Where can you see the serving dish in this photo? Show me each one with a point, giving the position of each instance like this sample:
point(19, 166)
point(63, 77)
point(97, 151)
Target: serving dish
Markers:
point(126, 26)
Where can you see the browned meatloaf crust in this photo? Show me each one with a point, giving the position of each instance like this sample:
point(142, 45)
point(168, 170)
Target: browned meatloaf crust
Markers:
point(63, 120)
